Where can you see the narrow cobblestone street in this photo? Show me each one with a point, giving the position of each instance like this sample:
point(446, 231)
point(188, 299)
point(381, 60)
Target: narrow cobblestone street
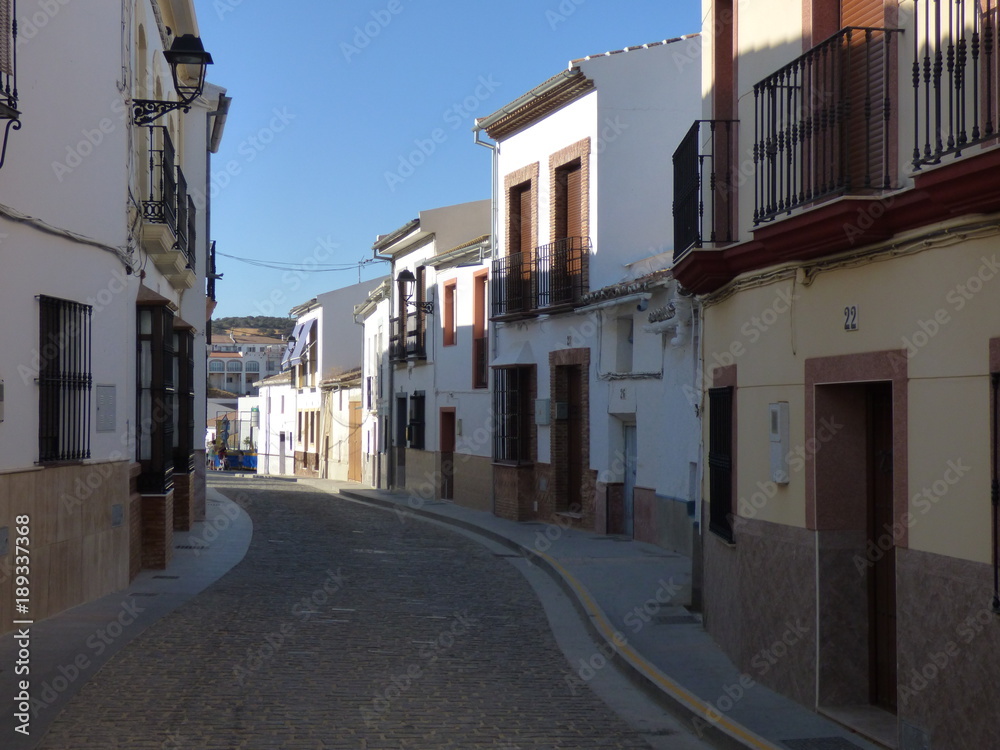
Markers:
point(344, 627)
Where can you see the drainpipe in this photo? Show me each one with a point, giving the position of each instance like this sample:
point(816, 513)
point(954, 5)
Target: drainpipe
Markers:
point(995, 494)
point(494, 224)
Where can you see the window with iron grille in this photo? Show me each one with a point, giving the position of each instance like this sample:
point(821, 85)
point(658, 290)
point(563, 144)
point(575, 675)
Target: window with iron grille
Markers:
point(511, 411)
point(184, 400)
point(415, 427)
point(720, 461)
point(157, 374)
point(64, 380)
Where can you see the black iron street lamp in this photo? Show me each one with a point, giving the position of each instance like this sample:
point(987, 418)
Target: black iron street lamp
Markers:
point(187, 51)
point(407, 283)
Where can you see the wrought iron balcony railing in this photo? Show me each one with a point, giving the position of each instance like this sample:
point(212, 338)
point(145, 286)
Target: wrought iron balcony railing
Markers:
point(511, 285)
point(703, 185)
point(822, 122)
point(552, 276)
point(161, 205)
point(168, 201)
point(407, 342)
point(561, 271)
point(956, 72)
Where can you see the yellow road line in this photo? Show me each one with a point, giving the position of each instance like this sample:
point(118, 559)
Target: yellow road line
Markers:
point(691, 700)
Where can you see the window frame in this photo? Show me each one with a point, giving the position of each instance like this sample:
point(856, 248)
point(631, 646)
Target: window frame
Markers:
point(65, 380)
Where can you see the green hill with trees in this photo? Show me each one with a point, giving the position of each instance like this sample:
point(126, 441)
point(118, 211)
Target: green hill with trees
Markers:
point(263, 324)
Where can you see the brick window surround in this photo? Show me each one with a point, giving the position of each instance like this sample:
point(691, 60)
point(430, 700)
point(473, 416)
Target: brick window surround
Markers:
point(527, 174)
point(579, 150)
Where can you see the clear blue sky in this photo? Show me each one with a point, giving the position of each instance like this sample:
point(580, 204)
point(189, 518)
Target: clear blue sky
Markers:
point(331, 96)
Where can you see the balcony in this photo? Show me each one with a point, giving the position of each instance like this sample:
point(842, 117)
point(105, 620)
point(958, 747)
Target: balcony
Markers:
point(408, 344)
point(955, 72)
point(168, 213)
point(822, 123)
point(551, 278)
point(704, 193)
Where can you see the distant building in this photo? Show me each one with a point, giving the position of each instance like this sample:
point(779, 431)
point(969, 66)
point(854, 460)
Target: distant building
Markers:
point(426, 347)
point(322, 347)
point(238, 363)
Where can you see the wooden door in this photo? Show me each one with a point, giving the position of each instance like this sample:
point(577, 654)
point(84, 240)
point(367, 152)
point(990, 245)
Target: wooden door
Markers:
point(574, 438)
point(447, 455)
point(882, 574)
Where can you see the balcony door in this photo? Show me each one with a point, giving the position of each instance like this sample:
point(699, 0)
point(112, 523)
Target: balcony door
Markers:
point(865, 76)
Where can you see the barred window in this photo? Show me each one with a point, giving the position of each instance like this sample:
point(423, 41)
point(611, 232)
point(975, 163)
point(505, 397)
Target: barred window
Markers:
point(157, 397)
point(511, 410)
point(720, 461)
point(415, 428)
point(64, 380)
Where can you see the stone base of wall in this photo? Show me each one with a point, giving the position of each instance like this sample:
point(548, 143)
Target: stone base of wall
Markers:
point(943, 613)
point(422, 477)
point(473, 482)
point(759, 591)
point(183, 501)
point(515, 492)
point(663, 521)
point(79, 532)
point(762, 590)
point(307, 465)
point(157, 530)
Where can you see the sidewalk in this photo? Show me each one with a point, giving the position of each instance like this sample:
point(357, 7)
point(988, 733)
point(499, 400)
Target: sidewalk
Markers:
point(71, 647)
point(631, 595)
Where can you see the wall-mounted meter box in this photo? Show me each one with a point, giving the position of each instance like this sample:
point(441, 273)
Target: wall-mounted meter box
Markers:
point(779, 442)
point(543, 417)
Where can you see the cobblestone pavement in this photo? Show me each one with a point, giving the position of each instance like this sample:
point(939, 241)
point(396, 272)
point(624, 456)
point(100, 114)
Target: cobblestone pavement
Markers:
point(344, 628)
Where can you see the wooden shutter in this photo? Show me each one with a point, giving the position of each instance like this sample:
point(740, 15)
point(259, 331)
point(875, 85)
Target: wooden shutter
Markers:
point(863, 74)
point(574, 201)
point(6, 38)
point(527, 235)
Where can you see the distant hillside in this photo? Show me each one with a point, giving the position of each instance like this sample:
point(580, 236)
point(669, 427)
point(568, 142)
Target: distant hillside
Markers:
point(261, 324)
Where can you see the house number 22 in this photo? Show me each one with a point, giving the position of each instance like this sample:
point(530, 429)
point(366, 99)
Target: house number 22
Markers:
point(851, 318)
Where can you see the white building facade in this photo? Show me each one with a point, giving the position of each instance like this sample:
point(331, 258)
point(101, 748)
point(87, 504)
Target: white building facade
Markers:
point(435, 433)
point(594, 343)
point(106, 257)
